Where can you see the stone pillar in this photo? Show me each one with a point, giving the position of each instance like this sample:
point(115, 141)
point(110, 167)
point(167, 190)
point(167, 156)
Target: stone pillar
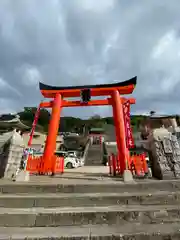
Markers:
point(15, 153)
point(165, 152)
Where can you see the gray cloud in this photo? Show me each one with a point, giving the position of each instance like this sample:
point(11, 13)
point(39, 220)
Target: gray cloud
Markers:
point(89, 41)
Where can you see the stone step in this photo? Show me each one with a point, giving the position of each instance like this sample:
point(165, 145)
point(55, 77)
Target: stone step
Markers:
point(88, 199)
point(103, 232)
point(94, 156)
point(94, 160)
point(71, 216)
point(89, 186)
point(94, 164)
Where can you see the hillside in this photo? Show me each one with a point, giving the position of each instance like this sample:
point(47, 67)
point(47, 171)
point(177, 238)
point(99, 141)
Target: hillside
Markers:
point(68, 124)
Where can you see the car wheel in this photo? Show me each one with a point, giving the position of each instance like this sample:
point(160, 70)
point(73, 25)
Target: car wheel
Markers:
point(69, 165)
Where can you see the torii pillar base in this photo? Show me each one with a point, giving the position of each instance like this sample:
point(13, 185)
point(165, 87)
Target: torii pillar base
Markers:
point(22, 176)
point(128, 177)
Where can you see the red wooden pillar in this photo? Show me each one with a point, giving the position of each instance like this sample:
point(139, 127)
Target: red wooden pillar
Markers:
point(34, 125)
point(50, 145)
point(119, 129)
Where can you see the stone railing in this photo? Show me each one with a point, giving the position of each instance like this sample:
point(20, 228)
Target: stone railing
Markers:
point(11, 155)
point(86, 149)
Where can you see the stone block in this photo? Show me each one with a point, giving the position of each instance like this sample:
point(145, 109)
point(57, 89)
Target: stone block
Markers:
point(165, 151)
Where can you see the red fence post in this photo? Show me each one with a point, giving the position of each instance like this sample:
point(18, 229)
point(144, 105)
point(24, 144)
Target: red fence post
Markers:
point(114, 164)
point(110, 164)
point(34, 125)
point(58, 165)
point(144, 163)
point(118, 163)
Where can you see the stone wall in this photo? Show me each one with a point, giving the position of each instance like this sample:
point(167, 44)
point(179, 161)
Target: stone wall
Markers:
point(164, 154)
point(11, 155)
point(4, 153)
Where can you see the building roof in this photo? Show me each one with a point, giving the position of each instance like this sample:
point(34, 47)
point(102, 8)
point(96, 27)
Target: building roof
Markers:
point(161, 116)
point(12, 121)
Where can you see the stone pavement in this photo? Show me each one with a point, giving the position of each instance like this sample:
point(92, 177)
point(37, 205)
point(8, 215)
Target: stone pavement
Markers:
point(88, 173)
point(82, 175)
point(89, 169)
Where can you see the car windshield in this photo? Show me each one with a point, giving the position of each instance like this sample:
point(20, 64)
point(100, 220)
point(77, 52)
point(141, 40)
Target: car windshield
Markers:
point(61, 154)
point(71, 155)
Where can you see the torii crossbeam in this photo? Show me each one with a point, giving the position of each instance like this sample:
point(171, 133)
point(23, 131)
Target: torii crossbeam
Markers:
point(113, 91)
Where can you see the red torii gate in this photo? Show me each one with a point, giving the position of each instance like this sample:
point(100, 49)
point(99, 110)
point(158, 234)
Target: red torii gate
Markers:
point(114, 91)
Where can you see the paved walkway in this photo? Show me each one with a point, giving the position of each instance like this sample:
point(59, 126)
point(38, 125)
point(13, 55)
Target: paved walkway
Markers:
point(85, 174)
point(82, 175)
point(101, 170)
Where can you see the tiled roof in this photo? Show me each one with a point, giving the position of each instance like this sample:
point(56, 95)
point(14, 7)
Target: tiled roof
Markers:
point(162, 116)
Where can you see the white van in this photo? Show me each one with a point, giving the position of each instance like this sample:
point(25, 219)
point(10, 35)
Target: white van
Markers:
point(78, 156)
point(69, 161)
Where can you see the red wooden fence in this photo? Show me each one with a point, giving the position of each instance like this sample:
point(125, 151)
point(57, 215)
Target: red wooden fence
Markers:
point(35, 165)
point(137, 164)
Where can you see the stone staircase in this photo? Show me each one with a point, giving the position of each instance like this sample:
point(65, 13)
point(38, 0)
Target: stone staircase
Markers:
point(94, 156)
point(114, 210)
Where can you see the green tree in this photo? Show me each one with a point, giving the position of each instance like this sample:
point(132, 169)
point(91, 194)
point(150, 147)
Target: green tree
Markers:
point(44, 118)
point(69, 124)
point(28, 115)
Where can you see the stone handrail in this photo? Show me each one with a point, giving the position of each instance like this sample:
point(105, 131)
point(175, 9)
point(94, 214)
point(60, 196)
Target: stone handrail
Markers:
point(86, 149)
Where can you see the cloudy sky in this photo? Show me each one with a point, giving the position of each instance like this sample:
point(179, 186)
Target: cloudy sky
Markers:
point(73, 42)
